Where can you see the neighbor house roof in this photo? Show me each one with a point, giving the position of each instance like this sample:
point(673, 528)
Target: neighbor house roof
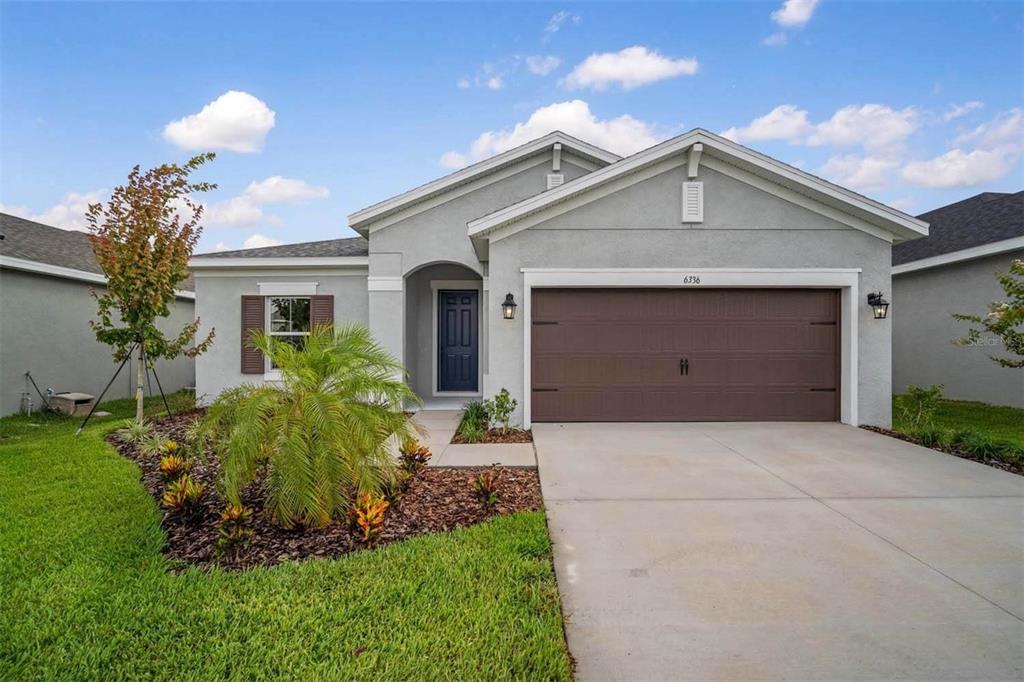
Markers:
point(770, 174)
point(328, 248)
point(989, 218)
point(43, 249)
point(360, 220)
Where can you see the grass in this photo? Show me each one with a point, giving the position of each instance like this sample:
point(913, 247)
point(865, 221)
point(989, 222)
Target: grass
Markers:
point(1000, 423)
point(86, 594)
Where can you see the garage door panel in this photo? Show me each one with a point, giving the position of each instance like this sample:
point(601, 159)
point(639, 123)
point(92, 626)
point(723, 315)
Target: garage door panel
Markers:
point(615, 354)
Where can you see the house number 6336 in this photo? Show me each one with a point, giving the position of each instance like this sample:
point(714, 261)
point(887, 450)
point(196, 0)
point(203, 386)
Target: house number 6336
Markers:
point(691, 279)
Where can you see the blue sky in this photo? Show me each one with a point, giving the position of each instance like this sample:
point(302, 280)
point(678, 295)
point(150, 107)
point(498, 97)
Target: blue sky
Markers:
point(317, 110)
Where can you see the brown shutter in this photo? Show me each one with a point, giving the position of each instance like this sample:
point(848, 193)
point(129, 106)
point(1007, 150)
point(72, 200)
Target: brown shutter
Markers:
point(252, 321)
point(321, 310)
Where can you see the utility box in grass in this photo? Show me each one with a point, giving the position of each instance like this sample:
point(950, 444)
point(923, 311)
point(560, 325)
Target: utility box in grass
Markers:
point(72, 404)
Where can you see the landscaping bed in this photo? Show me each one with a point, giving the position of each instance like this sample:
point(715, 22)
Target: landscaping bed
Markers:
point(436, 499)
point(1013, 464)
point(497, 436)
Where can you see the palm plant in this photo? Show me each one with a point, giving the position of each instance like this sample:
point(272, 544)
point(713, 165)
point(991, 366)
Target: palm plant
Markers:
point(322, 433)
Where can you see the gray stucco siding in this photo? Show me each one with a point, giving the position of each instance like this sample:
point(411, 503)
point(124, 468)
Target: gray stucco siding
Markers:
point(44, 329)
point(744, 228)
point(924, 352)
point(218, 305)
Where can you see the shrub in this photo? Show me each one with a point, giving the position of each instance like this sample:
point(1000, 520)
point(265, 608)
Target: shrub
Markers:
point(413, 455)
point(173, 467)
point(472, 433)
point(367, 514)
point(957, 437)
point(500, 408)
point(394, 489)
point(1011, 454)
point(233, 529)
point(183, 495)
point(928, 436)
point(918, 406)
point(486, 489)
point(474, 421)
point(982, 446)
point(320, 432)
point(134, 432)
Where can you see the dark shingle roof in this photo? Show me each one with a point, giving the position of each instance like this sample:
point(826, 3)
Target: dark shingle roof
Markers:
point(29, 240)
point(982, 219)
point(328, 248)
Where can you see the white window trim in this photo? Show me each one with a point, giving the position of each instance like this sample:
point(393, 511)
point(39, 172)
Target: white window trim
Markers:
point(846, 280)
point(436, 285)
point(286, 289)
point(269, 373)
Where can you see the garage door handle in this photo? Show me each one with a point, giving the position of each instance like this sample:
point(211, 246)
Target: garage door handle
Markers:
point(684, 367)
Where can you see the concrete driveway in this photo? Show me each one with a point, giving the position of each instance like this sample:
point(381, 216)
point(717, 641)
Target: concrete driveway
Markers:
point(769, 551)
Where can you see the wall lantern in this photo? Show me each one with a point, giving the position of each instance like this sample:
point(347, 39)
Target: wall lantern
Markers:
point(879, 306)
point(508, 308)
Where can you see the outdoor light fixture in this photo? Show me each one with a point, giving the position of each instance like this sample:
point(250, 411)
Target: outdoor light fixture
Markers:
point(879, 306)
point(508, 308)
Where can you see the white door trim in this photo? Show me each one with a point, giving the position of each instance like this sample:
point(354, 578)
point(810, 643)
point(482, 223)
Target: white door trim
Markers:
point(437, 285)
point(845, 279)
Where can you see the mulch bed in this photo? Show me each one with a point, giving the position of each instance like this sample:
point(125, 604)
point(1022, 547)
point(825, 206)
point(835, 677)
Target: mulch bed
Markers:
point(436, 500)
point(496, 436)
point(956, 452)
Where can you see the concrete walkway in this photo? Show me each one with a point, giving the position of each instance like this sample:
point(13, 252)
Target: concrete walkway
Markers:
point(440, 426)
point(770, 551)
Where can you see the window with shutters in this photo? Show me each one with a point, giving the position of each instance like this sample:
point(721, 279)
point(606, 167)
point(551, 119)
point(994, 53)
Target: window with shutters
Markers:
point(288, 319)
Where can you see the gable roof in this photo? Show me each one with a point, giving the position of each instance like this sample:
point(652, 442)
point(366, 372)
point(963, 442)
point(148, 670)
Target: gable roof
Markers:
point(59, 252)
point(872, 215)
point(983, 219)
point(328, 248)
point(360, 220)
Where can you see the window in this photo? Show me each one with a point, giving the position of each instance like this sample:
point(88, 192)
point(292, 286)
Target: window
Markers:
point(288, 319)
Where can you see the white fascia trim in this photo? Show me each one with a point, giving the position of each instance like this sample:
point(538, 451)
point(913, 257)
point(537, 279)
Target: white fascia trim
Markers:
point(361, 218)
point(972, 253)
point(385, 283)
point(287, 288)
point(845, 279)
point(437, 285)
point(67, 273)
point(280, 262)
point(901, 222)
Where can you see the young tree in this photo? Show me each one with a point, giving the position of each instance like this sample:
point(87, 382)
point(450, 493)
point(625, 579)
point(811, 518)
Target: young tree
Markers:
point(1004, 319)
point(143, 238)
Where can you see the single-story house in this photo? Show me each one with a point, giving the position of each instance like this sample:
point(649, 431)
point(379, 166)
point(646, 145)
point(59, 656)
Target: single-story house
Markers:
point(46, 275)
point(694, 280)
point(954, 271)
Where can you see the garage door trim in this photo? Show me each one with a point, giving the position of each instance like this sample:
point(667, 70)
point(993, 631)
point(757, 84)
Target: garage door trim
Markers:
point(846, 280)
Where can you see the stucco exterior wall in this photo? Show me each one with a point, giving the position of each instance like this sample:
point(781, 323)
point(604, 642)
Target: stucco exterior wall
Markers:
point(924, 330)
point(218, 305)
point(44, 329)
point(744, 227)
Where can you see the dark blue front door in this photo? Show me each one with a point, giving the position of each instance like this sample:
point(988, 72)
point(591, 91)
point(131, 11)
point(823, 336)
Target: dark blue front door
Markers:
point(457, 341)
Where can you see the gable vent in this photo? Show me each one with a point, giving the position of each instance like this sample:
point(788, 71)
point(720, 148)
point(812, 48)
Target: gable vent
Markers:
point(693, 202)
point(555, 180)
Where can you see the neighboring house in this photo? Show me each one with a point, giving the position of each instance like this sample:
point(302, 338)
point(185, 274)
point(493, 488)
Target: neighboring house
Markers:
point(954, 271)
point(45, 307)
point(695, 280)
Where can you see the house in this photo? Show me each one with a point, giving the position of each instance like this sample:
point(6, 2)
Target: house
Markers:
point(694, 280)
point(46, 275)
point(954, 271)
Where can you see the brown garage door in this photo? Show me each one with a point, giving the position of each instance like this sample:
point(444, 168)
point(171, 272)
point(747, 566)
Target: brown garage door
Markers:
point(685, 354)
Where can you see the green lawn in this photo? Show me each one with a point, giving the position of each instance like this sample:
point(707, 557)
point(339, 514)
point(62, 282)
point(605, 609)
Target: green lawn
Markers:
point(997, 422)
point(86, 593)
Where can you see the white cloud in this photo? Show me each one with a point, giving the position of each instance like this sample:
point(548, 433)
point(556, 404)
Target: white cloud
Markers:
point(453, 160)
point(237, 211)
point(494, 83)
point(776, 40)
point(219, 246)
point(463, 83)
point(628, 69)
point(957, 168)
point(68, 213)
point(236, 121)
point(1005, 132)
point(277, 189)
point(622, 135)
point(794, 12)
point(868, 125)
point(559, 18)
point(862, 173)
point(905, 204)
point(957, 110)
point(257, 241)
point(541, 65)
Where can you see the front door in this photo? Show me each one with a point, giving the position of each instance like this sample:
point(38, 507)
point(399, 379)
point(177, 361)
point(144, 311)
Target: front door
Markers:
point(457, 341)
